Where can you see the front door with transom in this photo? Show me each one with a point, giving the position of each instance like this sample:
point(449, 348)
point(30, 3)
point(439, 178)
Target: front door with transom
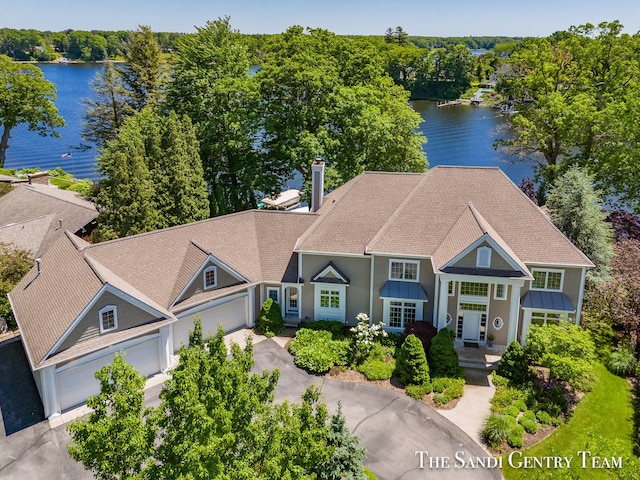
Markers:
point(291, 300)
point(471, 326)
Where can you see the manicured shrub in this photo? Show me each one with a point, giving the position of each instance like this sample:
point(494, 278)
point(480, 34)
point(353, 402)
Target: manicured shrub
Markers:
point(521, 405)
point(512, 411)
point(566, 350)
point(411, 363)
point(270, 319)
point(514, 438)
point(496, 429)
point(334, 326)
point(543, 417)
point(513, 364)
point(499, 380)
point(425, 331)
point(505, 397)
point(377, 369)
point(418, 391)
point(530, 426)
point(443, 356)
point(316, 350)
point(529, 414)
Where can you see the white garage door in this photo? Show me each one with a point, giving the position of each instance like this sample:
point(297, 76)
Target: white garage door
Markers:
point(76, 382)
point(231, 315)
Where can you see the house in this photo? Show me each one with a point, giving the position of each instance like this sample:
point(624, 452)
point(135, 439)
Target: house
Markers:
point(35, 214)
point(460, 247)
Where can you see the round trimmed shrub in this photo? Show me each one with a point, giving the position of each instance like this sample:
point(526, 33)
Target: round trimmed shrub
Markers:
point(514, 438)
point(375, 369)
point(543, 417)
point(270, 320)
point(418, 391)
point(530, 426)
point(412, 364)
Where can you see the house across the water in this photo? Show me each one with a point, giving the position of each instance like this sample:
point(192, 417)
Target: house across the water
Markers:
point(460, 247)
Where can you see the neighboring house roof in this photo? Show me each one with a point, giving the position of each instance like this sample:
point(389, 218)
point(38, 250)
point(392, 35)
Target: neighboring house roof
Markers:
point(429, 215)
point(32, 217)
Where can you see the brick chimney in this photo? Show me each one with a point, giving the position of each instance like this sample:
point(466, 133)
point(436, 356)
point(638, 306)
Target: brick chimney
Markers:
point(41, 178)
point(317, 184)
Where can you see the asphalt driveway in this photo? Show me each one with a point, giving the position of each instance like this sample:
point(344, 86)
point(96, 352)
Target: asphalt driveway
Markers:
point(20, 403)
point(391, 426)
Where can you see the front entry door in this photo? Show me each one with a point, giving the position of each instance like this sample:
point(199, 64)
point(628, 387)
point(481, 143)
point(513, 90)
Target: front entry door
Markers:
point(471, 326)
point(291, 295)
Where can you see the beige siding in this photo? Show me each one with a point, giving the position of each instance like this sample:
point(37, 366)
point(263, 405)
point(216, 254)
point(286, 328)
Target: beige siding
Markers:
point(381, 276)
point(497, 262)
point(129, 316)
point(224, 279)
point(499, 308)
point(356, 269)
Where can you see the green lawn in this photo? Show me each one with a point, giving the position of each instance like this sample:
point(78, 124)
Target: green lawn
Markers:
point(601, 424)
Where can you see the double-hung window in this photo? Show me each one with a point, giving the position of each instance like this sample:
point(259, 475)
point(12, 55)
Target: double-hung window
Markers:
point(547, 280)
point(329, 298)
point(403, 270)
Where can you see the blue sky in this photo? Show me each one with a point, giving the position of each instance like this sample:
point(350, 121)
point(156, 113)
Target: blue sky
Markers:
point(371, 17)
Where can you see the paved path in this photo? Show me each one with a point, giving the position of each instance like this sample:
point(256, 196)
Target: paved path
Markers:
point(391, 426)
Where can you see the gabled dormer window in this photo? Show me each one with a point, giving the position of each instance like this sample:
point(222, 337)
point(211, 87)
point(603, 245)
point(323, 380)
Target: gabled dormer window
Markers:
point(210, 276)
point(403, 270)
point(483, 257)
point(108, 317)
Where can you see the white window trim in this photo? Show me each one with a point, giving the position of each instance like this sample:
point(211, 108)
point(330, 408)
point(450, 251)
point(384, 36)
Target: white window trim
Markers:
point(387, 311)
point(103, 310)
point(497, 323)
point(505, 288)
point(274, 289)
point(548, 270)
point(405, 262)
point(328, 313)
point(562, 315)
point(204, 277)
point(452, 285)
point(480, 253)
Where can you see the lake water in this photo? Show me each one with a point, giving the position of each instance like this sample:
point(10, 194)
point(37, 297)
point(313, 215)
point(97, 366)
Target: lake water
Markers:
point(456, 135)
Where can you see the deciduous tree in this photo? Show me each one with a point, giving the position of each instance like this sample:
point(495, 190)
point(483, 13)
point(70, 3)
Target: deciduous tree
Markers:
point(14, 264)
point(25, 97)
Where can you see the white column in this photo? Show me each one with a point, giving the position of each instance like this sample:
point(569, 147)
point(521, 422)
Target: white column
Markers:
point(526, 325)
point(299, 289)
point(166, 347)
point(514, 311)
point(50, 398)
point(443, 302)
point(580, 296)
point(251, 306)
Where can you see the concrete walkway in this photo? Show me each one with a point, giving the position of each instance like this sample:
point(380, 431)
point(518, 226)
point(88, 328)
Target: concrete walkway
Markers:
point(474, 406)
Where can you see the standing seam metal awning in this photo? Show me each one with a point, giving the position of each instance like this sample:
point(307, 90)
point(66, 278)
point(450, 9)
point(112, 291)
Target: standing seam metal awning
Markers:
point(541, 300)
point(404, 290)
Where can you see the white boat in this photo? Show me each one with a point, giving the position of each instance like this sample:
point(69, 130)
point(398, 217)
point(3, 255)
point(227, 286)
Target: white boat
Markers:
point(283, 201)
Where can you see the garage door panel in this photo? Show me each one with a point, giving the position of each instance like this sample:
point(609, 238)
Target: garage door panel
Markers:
point(231, 315)
point(77, 383)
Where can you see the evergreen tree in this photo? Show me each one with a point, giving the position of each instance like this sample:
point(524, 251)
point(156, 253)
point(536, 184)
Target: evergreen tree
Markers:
point(513, 364)
point(108, 109)
point(443, 356)
point(142, 72)
point(153, 177)
point(126, 199)
point(346, 457)
point(412, 362)
point(576, 209)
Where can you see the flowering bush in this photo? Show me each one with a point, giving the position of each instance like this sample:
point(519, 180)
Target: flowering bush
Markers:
point(365, 336)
